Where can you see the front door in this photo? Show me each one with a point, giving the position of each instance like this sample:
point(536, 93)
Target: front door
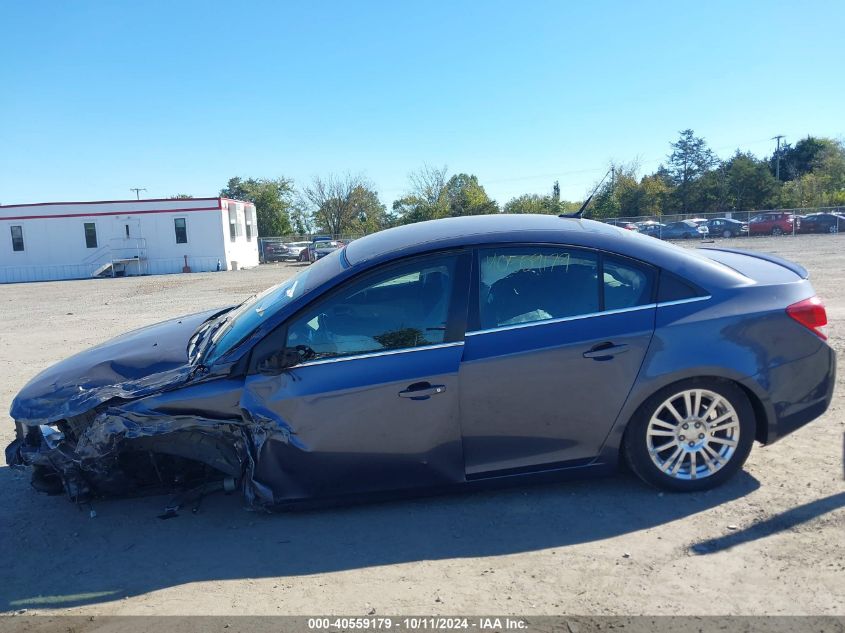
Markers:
point(373, 405)
point(559, 337)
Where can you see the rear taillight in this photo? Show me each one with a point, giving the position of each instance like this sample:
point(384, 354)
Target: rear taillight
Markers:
point(811, 314)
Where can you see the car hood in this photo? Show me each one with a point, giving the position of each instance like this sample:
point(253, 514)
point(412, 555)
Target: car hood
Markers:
point(130, 366)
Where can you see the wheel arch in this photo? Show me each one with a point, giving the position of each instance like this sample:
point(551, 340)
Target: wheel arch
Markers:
point(613, 446)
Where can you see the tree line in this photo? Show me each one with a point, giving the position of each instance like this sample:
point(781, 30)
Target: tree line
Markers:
point(692, 179)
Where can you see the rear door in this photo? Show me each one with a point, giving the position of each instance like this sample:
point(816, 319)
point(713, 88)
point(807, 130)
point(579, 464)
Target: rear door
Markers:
point(373, 405)
point(557, 338)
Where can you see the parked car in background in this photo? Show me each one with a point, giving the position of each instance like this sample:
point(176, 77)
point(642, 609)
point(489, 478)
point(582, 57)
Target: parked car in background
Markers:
point(683, 230)
point(295, 250)
point(726, 227)
point(650, 228)
point(275, 251)
point(622, 224)
point(318, 250)
point(446, 353)
point(822, 223)
point(774, 223)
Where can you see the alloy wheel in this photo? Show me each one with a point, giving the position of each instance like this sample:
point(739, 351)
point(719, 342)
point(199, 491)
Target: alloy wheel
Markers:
point(693, 434)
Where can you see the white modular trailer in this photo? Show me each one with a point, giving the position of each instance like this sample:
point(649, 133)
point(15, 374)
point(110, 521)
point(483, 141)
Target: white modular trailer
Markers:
point(73, 240)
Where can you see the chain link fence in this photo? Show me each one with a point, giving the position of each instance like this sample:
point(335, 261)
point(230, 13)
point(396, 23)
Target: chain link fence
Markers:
point(292, 247)
point(729, 224)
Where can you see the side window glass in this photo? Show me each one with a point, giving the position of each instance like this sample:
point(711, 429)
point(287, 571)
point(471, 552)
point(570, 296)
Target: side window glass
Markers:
point(528, 284)
point(672, 288)
point(626, 283)
point(402, 307)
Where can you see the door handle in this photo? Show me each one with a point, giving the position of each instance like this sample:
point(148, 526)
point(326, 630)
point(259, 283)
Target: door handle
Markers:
point(605, 351)
point(421, 391)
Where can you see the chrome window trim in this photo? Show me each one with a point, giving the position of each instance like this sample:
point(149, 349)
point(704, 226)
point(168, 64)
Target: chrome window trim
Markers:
point(391, 352)
point(589, 315)
point(677, 302)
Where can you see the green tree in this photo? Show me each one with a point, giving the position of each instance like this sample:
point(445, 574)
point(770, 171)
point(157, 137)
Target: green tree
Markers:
point(619, 194)
point(824, 185)
point(369, 212)
point(751, 184)
point(532, 203)
point(655, 190)
point(272, 197)
point(689, 160)
point(426, 200)
point(712, 191)
point(465, 196)
point(803, 158)
point(302, 222)
point(344, 205)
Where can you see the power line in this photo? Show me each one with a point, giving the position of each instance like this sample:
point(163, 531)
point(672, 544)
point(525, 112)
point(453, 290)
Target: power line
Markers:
point(137, 191)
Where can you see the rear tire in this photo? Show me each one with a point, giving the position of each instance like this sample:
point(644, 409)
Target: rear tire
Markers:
point(709, 450)
point(727, 233)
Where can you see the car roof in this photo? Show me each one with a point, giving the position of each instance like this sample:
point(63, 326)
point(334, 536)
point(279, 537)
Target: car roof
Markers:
point(503, 228)
point(474, 229)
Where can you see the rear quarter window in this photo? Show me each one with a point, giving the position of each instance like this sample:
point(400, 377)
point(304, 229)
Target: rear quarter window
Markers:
point(673, 288)
point(627, 283)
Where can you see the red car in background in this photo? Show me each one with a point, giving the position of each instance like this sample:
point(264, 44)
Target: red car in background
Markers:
point(774, 223)
point(622, 224)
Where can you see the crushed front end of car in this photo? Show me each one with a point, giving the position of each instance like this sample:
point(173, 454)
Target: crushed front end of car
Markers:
point(134, 416)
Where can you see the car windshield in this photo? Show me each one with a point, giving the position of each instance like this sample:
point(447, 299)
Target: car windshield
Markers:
point(237, 324)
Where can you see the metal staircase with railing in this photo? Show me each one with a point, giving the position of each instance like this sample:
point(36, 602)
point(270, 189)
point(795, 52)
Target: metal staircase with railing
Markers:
point(118, 257)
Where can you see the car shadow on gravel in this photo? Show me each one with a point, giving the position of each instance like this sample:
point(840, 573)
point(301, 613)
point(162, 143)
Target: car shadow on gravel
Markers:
point(58, 556)
point(778, 523)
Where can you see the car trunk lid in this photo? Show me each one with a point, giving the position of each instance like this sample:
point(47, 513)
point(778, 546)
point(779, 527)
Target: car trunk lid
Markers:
point(763, 268)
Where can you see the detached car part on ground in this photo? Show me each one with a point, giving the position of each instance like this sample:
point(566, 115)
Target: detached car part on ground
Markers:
point(446, 353)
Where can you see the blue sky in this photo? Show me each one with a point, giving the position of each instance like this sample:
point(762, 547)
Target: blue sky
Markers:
point(178, 96)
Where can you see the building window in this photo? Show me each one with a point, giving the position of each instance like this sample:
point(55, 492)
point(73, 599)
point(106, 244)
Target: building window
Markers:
point(249, 215)
point(90, 235)
point(235, 228)
point(17, 238)
point(181, 230)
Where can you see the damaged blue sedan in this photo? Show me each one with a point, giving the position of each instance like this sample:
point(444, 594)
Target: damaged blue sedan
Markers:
point(447, 353)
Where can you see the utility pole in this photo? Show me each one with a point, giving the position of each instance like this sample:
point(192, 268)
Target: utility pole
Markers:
point(137, 191)
point(777, 156)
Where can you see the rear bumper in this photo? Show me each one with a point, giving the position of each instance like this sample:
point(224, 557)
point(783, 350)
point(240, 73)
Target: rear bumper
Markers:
point(799, 392)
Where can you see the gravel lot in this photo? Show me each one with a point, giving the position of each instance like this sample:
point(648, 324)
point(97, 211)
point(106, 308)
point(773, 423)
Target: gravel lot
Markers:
point(769, 542)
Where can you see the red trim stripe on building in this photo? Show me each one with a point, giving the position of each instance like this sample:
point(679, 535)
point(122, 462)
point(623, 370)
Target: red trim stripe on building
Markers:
point(47, 204)
point(91, 215)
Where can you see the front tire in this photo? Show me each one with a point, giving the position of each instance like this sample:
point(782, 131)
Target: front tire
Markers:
point(727, 233)
point(777, 231)
point(693, 435)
